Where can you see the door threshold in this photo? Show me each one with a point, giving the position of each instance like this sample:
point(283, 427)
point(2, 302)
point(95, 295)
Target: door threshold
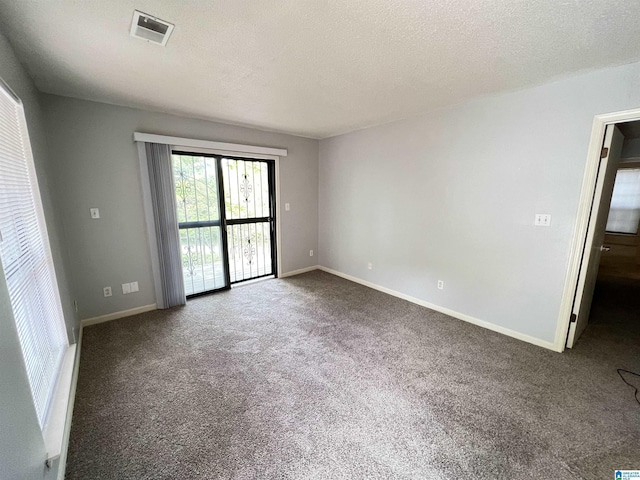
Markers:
point(252, 281)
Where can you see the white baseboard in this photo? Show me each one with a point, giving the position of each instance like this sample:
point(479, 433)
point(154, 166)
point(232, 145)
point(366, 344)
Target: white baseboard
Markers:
point(62, 464)
point(446, 311)
point(54, 428)
point(298, 272)
point(116, 315)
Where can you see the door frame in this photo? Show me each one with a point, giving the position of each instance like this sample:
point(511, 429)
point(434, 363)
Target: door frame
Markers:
point(583, 217)
point(249, 156)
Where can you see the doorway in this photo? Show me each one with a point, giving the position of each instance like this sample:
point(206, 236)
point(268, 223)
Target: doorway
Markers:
point(226, 219)
point(608, 263)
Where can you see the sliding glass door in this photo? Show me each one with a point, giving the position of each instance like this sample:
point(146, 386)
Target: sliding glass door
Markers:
point(200, 223)
point(226, 217)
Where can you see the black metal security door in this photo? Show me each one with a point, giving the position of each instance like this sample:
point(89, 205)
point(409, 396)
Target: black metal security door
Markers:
point(226, 215)
point(249, 217)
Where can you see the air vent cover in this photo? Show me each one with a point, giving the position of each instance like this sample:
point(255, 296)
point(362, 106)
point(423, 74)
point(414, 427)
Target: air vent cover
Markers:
point(150, 28)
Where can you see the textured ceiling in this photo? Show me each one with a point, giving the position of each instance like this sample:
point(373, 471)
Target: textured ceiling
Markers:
point(314, 67)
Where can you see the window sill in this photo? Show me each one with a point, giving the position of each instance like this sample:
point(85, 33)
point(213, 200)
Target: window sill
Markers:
point(55, 429)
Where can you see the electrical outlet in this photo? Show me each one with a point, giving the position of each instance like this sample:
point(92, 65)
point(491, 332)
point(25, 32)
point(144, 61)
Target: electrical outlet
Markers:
point(126, 288)
point(107, 291)
point(311, 253)
point(440, 284)
point(370, 266)
point(134, 287)
point(95, 213)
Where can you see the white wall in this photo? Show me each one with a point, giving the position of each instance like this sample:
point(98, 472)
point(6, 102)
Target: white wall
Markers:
point(452, 195)
point(96, 165)
point(22, 451)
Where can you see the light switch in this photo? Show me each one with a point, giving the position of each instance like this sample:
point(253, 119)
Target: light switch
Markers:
point(287, 207)
point(126, 288)
point(95, 213)
point(542, 220)
point(134, 287)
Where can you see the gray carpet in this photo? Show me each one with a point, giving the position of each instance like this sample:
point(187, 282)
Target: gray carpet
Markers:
point(315, 377)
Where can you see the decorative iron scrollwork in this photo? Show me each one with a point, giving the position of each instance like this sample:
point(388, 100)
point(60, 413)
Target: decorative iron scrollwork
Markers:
point(249, 251)
point(190, 260)
point(246, 188)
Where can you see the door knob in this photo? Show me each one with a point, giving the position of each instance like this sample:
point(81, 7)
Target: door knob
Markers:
point(604, 249)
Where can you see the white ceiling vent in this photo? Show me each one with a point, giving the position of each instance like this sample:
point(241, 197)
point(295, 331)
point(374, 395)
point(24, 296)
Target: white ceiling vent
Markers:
point(150, 28)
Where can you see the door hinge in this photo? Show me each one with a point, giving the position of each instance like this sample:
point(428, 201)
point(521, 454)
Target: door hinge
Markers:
point(604, 152)
point(574, 317)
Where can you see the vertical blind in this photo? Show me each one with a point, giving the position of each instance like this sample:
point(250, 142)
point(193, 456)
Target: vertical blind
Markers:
point(26, 257)
point(163, 200)
point(624, 213)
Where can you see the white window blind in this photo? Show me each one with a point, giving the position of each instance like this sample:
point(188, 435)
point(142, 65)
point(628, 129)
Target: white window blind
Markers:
point(624, 213)
point(26, 257)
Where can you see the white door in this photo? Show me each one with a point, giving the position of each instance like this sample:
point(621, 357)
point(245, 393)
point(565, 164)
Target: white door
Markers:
point(611, 150)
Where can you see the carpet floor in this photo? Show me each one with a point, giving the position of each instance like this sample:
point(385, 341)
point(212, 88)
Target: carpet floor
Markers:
point(316, 377)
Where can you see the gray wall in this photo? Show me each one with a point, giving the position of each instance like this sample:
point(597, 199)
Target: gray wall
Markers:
point(96, 165)
point(22, 452)
point(631, 149)
point(452, 195)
